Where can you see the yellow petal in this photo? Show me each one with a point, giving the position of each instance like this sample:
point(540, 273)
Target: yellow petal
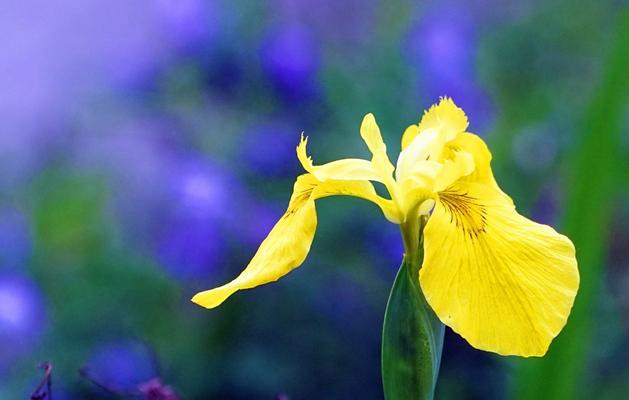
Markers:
point(417, 184)
point(288, 243)
point(284, 249)
point(346, 169)
point(409, 134)
point(476, 147)
point(459, 165)
point(370, 132)
point(417, 152)
point(445, 117)
point(430, 142)
point(503, 282)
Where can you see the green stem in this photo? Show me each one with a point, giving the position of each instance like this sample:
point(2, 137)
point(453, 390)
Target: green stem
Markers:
point(412, 335)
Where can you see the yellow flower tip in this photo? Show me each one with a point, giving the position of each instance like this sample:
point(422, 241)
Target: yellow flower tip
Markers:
point(445, 115)
point(409, 134)
point(303, 141)
point(368, 123)
point(370, 132)
point(302, 154)
point(214, 297)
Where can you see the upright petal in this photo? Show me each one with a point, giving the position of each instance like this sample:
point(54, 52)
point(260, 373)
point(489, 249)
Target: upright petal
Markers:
point(503, 282)
point(370, 132)
point(409, 134)
point(441, 124)
point(445, 117)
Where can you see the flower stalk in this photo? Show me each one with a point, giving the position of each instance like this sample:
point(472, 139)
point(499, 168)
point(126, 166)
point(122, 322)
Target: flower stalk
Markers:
point(412, 335)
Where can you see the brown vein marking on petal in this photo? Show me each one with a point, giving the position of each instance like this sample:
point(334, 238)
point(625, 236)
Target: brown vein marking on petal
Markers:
point(298, 200)
point(466, 211)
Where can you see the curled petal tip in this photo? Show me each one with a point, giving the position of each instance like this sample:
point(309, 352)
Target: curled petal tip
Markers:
point(214, 297)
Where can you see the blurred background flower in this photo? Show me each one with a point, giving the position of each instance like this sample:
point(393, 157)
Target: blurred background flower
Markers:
point(122, 366)
point(147, 149)
point(22, 317)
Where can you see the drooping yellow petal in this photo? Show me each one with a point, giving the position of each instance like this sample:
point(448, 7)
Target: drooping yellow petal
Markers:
point(346, 169)
point(370, 132)
point(284, 249)
point(288, 243)
point(503, 282)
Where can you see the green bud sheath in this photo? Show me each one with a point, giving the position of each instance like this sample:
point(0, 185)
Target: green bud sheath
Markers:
point(412, 338)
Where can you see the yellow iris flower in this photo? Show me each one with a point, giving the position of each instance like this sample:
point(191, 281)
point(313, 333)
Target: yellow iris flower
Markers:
point(503, 282)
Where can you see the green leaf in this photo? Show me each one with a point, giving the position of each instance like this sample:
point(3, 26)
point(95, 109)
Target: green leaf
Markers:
point(595, 179)
point(412, 339)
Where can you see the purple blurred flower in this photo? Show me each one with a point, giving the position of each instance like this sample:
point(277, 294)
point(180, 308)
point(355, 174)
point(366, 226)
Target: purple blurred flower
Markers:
point(347, 24)
point(121, 366)
point(441, 46)
point(224, 71)
point(269, 148)
point(200, 190)
point(191, 251)
point(290, 59)
point(15, 239)
point(22, 316)
point(202, 202)
point(260, 220)
point(190, 24)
